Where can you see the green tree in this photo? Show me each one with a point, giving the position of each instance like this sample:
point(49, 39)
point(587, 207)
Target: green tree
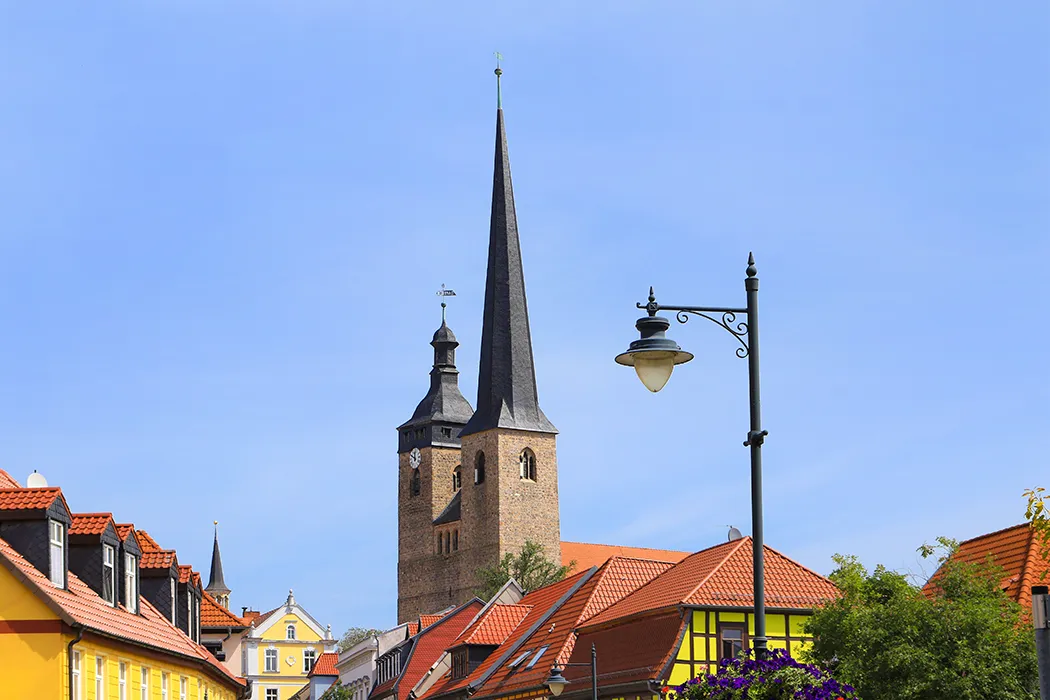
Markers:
point(354, 635)
point(966, 640)
point(1038, 514)
point(337, 691)
point(529, 567)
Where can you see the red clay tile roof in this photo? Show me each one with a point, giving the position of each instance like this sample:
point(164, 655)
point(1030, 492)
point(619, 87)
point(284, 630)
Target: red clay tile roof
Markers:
point(554, 641)
point(588, 555)
point(185, 571)
point(90, 523)
point(721, 576)
point(431, 643)
point(79, 605)
point(636, 650)
point(413, 629)
point(196, 580)
point(7, 481)
point(29, 499)
point(541, 601)
point(1014, 549)
point(124, 529)
point(146, 543)
point(494, 626)
point(427, 620)
point(325, 665)
point(260, 618)
point(157, 559)
point(214, 615)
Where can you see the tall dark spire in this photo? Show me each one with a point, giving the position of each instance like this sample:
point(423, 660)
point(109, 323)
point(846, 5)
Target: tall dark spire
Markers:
point(216, 586)
point(507, 396)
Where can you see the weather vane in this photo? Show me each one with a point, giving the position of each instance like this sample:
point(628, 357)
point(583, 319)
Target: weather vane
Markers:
point(445, 293)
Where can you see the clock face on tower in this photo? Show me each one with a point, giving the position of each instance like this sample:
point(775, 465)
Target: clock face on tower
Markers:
point(414, 458)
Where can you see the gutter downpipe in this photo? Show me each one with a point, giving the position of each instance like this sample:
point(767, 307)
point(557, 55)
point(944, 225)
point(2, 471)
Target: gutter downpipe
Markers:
point(69, 657)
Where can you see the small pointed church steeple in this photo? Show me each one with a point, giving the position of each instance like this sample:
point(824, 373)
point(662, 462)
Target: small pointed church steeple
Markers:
point(216, 586)
point(507, 395)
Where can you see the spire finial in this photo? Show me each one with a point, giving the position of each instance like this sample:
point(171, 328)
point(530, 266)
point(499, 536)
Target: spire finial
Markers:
point(445, 293)
point(499, 89)
point(751, 269)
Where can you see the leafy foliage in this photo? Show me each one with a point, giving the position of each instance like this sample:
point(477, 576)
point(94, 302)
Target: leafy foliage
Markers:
point(1038, 514)
point(355, 635)
point(965, 641)
point(337, 691)
point(529, 567)
point(777, 677)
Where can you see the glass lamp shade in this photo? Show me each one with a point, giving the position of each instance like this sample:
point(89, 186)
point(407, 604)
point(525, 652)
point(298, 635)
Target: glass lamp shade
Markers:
point(654, 368)
point(556, 682)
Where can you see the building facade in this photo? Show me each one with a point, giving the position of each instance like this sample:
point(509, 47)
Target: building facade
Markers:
point(476, 484)
point(280, 649)
point(88, 613)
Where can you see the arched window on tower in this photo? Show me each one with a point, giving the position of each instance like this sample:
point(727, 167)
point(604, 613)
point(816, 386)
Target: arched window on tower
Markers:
point(527, 464)
point(414, 483)
point(457, 481)
point(479, 468)
point(455, 540)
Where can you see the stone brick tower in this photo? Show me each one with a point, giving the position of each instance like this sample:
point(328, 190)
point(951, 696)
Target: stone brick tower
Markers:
point(474, 485)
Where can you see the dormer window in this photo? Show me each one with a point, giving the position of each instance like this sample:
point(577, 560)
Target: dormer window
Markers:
point(57, 537)
point(290, 632)
point(131, 579)
point(109, 574)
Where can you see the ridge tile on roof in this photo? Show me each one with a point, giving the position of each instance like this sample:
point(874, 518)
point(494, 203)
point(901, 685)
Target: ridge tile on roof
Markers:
point(7, 481)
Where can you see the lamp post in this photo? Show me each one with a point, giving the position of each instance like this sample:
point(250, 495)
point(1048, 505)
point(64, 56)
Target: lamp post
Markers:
point(557, 682)
point(654, 357)
point(1041, 622)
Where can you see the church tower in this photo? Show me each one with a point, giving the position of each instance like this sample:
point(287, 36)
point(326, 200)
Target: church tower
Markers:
point(493, 484)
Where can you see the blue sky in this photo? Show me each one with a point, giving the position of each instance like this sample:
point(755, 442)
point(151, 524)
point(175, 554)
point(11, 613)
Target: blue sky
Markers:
point(224, 224)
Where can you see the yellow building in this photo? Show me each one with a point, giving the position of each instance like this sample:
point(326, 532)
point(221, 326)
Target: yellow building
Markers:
point(74, 620)
point(281, 647)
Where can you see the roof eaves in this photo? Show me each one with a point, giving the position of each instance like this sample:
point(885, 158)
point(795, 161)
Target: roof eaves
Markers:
point(51, 603)
point(472, 687)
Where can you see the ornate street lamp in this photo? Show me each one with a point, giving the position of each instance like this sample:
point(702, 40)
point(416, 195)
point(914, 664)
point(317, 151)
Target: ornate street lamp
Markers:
point(654, 357)
point(557, 682)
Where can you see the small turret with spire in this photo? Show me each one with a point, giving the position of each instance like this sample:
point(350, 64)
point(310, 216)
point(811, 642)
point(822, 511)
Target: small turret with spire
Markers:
point(441, 414)
point(216, 586)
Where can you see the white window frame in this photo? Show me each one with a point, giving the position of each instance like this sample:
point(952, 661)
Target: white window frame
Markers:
point(131, 579)
point(184, 687)
point(289, 631)
point(174, 598)
point(267, 655)
point(273, 694)
point(78, 689)
point(122, 681)
point(57, 552)
point(109, 562)
point(100, 676)
point(196, 620)
point(163, 686)
point(313, 659)
point(144, 686)
point(189, 612)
